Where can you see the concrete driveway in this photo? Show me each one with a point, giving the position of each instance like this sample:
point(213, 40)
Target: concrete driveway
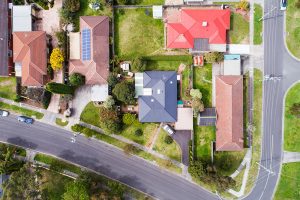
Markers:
point(182, 138)
point(81, 98)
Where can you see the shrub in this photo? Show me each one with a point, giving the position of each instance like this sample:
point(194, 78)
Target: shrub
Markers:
point(124, 92)
point(168, 139)
point(138, 132)
point(213, 57)
point(243, 5)
point(109, 102)
point(56, 59)
point(18, 2)
point(50, 72)
point(112, 80)
point(138, 65)
point(297, 4)
point(130, 149)
point(46, 99)
point(59, 88)
point(65, 16)
point(87, 132)
point(72, 5)
point(77, 128)
point(18, 98)
point(61, 38)
point(129, 118)
point(195, 93)
point(77, 79)
point(109, 120)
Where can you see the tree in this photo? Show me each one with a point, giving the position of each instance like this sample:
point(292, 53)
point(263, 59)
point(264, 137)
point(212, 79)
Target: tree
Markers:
point(297, 4)
point(168, 139)
point(109, 120)
point(112, 80)
point(243, 5)
point(22, 185)
point(76, 190)
point(197, 106)
point(138, 132)
point(129, 118)
point(77, 79)
point(195, 93)
point(197, 169)
point(65, 16)
point(116, 189)
point(124, 92)
point(72, 5)
point(138, 65)
point(213, 57)
point(59, 88)
point(129, 149)
point(77, 128)
point(7, 162)
point(56, 59)
point(295, 109)
point(109, 102)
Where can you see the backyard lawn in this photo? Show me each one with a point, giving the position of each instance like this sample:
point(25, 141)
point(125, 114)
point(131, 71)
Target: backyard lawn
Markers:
point(202, 80)
point(257, 39)
point(173, 150)
point(289, 183)
point(293, 28)
point(91, 115)
point(165, 62)
point(137, 33)
point(203, 135)
point(291, 122)
point(239, 29)
point(150, 2)
point(8, 87)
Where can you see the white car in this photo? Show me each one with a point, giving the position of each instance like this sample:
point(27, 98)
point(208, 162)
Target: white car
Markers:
point(4, 113)
point(283, 4)
point(168, 129)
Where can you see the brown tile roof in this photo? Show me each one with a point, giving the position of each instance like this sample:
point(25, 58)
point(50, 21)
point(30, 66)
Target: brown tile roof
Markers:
point(30, 50)
point(229, 108)
point(95, 70)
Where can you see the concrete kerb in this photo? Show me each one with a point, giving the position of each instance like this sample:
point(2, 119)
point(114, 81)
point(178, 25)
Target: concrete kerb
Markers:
point(282, 132)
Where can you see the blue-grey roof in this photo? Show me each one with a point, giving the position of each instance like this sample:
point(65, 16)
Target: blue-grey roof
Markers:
point(161, 106)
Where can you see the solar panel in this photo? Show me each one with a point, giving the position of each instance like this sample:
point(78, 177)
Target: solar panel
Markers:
point(86, 44)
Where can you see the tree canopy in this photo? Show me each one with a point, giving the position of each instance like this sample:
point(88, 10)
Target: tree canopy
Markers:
point(124, 92)
point(214, 57)
point(72, 5)
point(109, 120)
point(56, 59)
point(77, 79)
point(109, 102)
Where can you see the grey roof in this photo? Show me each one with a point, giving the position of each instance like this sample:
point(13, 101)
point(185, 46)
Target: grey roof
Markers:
point(161, 106)
point(201, 44)
point(207, 117)
point(4, 38)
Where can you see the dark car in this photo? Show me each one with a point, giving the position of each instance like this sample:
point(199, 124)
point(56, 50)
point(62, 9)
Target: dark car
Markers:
point(283, 4)
point(25, 119)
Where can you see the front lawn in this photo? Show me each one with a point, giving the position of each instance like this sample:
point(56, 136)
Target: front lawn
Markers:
point(203, 80)
point(91, 115)
point(203, 135)
point(61, 122)
point(137, 33)
point(23, 111)
point(293, 28)
point(172, 150)
point(239, 29)
point(289, 183)
point(257, 39)
point(8, 87)
point(292, 122)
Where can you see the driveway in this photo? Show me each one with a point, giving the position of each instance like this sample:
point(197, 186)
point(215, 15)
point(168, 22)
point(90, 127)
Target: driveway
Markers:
point(81, 98)
point(182, 138)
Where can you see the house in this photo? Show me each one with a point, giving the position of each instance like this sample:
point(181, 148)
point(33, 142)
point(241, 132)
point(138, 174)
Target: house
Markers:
point(157, 96)
point(199, 30)
point(30, 57)
point(229, 111)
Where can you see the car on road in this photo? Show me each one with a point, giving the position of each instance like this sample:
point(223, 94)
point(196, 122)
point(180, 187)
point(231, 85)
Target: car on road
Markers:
point(4, 113)
point(283, 4)
point(25, 119)
point(168, 129)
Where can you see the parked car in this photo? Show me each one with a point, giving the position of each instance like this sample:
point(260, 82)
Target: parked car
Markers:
point(25, 119)
point(168, 129)
point(283, 4)
point(4, 113)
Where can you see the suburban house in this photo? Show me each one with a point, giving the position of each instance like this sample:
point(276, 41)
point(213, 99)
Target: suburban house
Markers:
point(229, 111)
point(30, 57)
point(89, 54)
point(24, 18)
point(199, 30)
point(157, 96)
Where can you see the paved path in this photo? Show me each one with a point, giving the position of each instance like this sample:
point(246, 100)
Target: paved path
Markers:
point(289, 157)
point(155, 136)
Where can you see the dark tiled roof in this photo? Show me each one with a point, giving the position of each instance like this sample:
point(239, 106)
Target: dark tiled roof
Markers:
point(161, 106)
point(207, 117)
point(201, 44)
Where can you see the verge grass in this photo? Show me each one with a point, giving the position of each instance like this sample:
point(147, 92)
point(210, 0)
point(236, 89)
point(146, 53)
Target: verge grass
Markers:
point(8, 87)
point(258, 25)
point(21, 110)
point(91, 115)
point(60, 122)
point(293, 28)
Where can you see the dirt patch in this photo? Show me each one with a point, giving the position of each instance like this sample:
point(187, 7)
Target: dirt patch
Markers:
point(150, 141)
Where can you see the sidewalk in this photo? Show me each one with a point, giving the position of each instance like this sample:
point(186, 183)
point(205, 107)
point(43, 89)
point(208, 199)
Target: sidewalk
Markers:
point(289, 157)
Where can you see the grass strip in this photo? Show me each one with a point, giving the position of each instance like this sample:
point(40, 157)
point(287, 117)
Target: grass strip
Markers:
point(21, 110)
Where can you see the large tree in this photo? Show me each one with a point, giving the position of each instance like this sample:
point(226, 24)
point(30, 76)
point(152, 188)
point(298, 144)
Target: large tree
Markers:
point(56, 59)
point(77, 79)
point(8, 163)
point(72, 5)
point(109, 120)
point(197, 106)
point(124, 92)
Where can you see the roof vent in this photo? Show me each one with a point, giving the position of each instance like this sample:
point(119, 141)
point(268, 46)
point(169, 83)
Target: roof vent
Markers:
point(158, 91)
point(171, 82)
point(204, 23)
point(152, 100)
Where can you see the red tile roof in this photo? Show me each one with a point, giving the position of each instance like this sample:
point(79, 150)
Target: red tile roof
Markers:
point(229, 108)
point(30, 50)
point(190, 26)
point(95, 70)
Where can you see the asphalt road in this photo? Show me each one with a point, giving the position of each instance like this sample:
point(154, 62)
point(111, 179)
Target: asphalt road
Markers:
point(277, 62)
point(102, 158)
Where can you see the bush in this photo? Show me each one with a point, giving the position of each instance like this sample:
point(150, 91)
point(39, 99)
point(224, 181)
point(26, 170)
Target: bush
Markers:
point(59, 88)
point(65, 16)
point(213, 57)
point(56, 59)
point(128, 118)
point(72, 5)
point(42, 3)
point(109, 102)
point(87, 132)
point(46, 99)
point(18, 98)
point(77, 79)
point(112, 80)
point(50, 72)
point(297, 4)
point(243, 5)
point(77, 128)
point(138, 132)
point(61, 38)
point(109, 120)
point(18, 2)
point(124, 92)
point(130, 149)
point(168, 139)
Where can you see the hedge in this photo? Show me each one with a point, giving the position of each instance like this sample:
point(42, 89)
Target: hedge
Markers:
point(59, 88)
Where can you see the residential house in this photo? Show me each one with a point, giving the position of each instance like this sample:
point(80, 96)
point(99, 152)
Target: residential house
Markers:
point(229, 111)
point(199, 30)
point(157, 96)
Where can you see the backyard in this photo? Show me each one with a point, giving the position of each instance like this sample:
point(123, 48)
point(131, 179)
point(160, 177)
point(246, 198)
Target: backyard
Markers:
point(289, 183)
point(293, 28)
point(137, 33)
point(149, 2)
point(257, 38)
point(8, 87)
point(172, 150)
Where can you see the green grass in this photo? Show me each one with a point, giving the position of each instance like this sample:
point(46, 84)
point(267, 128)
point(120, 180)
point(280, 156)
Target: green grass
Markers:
point(147, 128)
point(150, 2)
point(239, 29)
point(203, 135)
point(185, 83)
point(22, 111)
point(257, 39)
point(8, 87)
point(137, 34)
point(289, 184)
point(173, 150)
point(60, 122)
point(291, 122)
point(91, 115)
point(166, 63)
point(202, 80)
point(293, 28)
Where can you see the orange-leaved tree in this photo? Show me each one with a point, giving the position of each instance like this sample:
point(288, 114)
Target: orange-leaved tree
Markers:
point(56, 59)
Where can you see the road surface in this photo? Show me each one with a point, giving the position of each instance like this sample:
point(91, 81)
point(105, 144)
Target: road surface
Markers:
point(102, 158)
